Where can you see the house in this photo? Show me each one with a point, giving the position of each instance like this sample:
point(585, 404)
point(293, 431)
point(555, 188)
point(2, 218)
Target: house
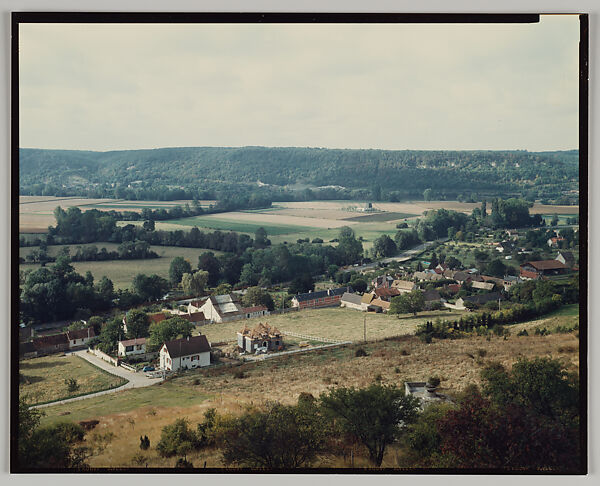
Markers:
point(58, 343)
point(385, 293)
point(155, 317)
point(185, 353)
point(542, 268)
point(195, 305)
point(131, 347)
point(428, 276)
point(483, 285)
point(505, 247)
point(478, 300)
point(323, 298)
point(262, 336)
point(431, 298)
point(366, 299)
point(255, 311)
point(195, 317)
point(383, 281)
point(403, 286)
point(494, 280)
point(453, 288)
point(379, 305)
point(566, 258)
point(80, 338)
point(554, 242)
point(441, 268)
point(352, 301)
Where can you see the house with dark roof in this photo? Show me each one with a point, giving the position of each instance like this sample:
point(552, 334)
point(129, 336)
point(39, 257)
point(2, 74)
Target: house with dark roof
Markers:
point(262, 336)
point(322, 298)
point(194, 317)
point(542, 268)
point(79, 338)
point(58, 343)
point(352, 301)
point(480, 299)
point(185, 353)
point(432, 297)
point(154, 317)
point(385, 293)
point(383, 281)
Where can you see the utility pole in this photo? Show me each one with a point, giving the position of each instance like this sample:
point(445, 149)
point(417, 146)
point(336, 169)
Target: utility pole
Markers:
point(365, 328)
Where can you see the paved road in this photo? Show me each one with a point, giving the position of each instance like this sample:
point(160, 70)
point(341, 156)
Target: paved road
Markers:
point(136, 380)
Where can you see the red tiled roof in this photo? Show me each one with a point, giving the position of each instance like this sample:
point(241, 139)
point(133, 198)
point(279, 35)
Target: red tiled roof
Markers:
point(158, 317)
point(529, 274)
point(385, 292)
point(55, 340)
point(194, 317)
point(546, 265)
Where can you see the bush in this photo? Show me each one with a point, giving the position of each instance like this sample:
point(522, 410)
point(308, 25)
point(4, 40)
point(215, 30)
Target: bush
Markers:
point(360, 352)
point(523, 333)
point(72, 385)
point(176, 439)
point(144, 443)
point(239, 374)
point(433, 381)
point(481, 353)
point(183, 463)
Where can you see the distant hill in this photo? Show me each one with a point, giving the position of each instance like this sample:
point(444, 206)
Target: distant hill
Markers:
point(405, 171)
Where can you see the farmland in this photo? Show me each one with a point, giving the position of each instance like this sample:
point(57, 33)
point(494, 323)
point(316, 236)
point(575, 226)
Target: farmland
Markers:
point(43, 379)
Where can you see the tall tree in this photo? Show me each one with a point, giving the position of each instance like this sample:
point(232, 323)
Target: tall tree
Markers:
point(194, 283)
point(376, 416)
point(410, 302)
point(137, 324)
point(178, 267)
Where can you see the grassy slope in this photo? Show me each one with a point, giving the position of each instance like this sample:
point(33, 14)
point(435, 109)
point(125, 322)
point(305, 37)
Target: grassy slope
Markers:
point(47, 376)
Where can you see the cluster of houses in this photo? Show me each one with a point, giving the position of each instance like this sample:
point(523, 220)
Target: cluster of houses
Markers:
point(224, 308)
point(57, 343)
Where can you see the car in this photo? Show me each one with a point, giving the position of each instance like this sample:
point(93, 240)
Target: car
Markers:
point(148, 368)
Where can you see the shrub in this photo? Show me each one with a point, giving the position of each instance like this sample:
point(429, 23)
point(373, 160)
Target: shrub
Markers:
point(239, 374)
point(183, 463)
point(360, 352)
point(144, 443)
point(176, 439)
point(433, 381)
point(72, 385)
point(404, 352)
point(139, 459)
point(481, 353)
point(523, 333)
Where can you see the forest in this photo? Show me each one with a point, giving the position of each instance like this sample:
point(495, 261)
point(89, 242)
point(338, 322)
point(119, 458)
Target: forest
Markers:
point(282, 174)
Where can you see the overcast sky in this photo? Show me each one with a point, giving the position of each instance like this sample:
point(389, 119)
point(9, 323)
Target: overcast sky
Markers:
point(399, 86)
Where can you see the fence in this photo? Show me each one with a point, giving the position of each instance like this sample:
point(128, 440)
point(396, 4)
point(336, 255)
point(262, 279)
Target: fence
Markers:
point(296, 351)
point(104, 356)
point(127, 367)
point(314, 338)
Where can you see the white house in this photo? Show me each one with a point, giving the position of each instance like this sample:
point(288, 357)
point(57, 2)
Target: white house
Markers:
point(353, 301)
point(223, 308)
point(131, 347)
point(80, 338)
point(186, 353)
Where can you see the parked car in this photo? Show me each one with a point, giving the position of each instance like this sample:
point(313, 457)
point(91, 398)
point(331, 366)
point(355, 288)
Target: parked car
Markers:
point(148, 368)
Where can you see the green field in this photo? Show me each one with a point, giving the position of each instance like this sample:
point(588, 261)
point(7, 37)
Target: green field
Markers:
point(240, 227)
point(43, 379)
point(379, 217)
point(121, 272)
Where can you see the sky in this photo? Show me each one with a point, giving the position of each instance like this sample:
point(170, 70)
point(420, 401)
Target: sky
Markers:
point(384, 86)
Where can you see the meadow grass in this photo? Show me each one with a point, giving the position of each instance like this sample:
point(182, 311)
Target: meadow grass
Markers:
point(44, 378)
point(238, 226)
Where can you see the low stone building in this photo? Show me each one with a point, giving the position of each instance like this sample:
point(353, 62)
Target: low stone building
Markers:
point(352, 301)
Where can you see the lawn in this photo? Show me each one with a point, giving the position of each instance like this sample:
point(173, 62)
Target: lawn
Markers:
point(332, 323)
point(121, 272)
point(44, 378)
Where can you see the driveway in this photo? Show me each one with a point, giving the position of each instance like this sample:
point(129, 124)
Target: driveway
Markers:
point(136, 380)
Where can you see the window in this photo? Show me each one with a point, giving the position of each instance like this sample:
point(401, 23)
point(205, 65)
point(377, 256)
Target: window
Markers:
point(195, 358)
point(128, 348)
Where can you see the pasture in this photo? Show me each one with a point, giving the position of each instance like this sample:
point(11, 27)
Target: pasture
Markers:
point(336, 323)
point(121, 272)
point(43, 379)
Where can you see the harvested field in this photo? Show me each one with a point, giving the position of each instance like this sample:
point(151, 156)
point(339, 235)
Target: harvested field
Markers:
point(223, 223)
point(44, 378)
point(132, 413)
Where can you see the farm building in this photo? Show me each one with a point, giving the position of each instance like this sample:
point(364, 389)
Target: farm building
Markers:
point(80, 338)
point(352, 301)
point(51, 344)
point(432, 297)
point(194, 317)
point(185, 353)
point(383, 281)
point(385, 293)
point(323, 298)
point(480, 299)
point(542, 268)
point(482, 285)
point(378, 305)
point(132, 347)
point(27, 350)
point(427, 276)
point(224, 308)
point(262, 336)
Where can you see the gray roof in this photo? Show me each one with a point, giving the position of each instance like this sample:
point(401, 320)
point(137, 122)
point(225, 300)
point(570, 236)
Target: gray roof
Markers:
point(352, 298)
point(187, 346)
point(322, 293)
